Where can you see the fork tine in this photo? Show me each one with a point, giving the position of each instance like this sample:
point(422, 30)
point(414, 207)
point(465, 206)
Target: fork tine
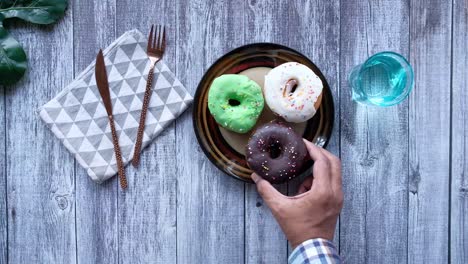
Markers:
point(150, 38)
point(156, 34)
point(163, 44)
point(156, 41)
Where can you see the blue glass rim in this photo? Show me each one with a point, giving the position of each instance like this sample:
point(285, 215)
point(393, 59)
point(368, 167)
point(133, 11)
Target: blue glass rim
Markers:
point(408, 88)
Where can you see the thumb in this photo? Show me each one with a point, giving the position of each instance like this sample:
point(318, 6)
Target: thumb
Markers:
point(269, 194)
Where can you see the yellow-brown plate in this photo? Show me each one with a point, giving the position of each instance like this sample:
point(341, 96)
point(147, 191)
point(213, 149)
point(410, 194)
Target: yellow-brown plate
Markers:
point(225, 148)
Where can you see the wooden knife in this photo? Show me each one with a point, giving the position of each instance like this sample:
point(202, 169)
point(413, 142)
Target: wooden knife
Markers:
point(103, 86)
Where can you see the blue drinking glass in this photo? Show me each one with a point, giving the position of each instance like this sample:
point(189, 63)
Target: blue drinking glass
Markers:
point(385, 79)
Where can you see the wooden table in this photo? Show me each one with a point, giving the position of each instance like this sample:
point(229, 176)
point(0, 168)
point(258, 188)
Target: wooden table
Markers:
point(404, 168)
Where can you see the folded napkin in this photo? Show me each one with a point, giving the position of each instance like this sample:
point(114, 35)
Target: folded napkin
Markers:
point(78, 118)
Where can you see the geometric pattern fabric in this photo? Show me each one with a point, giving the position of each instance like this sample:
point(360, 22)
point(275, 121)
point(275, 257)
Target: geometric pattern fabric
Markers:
point(78, 118)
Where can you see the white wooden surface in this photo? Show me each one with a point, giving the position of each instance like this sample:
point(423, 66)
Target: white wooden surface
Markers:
point(96, 205)
point(404, 168)
point(459, 162)
point(429, 132)
point(3, 186)
point(210, 206)
point(40, 176)
point(374, 141)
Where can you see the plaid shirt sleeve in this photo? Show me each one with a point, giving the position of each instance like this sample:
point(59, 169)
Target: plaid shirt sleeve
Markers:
point(315, 251)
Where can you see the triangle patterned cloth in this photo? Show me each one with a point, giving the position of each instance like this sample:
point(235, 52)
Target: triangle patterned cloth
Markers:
point(78, 118)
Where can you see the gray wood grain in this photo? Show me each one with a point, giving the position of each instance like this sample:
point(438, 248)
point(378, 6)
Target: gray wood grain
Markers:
point(40, 175)
point(179, 207)
point(429, 131)
point(314, 30)
point(3, 181)
point(264, 21)
point(374, 148)
point(210, 205)
point(96, 205)
point(459, 188)
point(147, 210)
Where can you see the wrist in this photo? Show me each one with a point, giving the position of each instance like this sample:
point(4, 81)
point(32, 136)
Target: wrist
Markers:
point(296, 241)
point(294, 245)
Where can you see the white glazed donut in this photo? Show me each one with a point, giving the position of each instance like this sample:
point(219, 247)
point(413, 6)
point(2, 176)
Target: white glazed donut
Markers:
point(293, 91)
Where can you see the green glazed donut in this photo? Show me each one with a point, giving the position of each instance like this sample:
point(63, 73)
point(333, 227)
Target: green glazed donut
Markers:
point(235, 102)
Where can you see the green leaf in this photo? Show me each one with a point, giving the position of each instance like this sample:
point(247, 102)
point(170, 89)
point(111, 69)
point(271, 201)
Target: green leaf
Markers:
point(35, 11)
point(13, 61)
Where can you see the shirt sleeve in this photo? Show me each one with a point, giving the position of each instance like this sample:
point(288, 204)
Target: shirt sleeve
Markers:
point(320, 251)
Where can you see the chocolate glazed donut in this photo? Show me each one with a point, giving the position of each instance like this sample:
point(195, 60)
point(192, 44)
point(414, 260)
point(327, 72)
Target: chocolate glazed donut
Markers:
point(276, 152)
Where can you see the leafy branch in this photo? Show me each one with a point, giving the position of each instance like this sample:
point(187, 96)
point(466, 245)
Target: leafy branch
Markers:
point(13, 60)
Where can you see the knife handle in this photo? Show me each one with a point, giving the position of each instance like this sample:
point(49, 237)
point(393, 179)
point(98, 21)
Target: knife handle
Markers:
point(144, 110)
point(118, 155)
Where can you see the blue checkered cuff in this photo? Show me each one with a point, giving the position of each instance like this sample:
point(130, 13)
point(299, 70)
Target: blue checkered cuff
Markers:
point(320, 251)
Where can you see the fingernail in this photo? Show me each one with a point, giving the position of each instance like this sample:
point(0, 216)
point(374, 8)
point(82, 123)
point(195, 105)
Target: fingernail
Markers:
point(255, 177)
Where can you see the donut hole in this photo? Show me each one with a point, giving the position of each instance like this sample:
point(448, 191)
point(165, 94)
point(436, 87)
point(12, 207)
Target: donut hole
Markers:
point(233, 102)
point(274, 150)
point(290, 87)
point(293, 89)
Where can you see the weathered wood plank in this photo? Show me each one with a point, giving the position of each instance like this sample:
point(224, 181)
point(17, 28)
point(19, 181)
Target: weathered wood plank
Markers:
point(96, 205)
point(374, 148)
point(3, 181)
point(147, 210)
point(40, 174)
point(429, 131)
point(459, 206)
point(314, 30)
point(210, 205)
point(265, 21)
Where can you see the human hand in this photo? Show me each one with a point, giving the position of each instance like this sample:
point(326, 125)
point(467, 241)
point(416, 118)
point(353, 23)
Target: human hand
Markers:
point(313, 212)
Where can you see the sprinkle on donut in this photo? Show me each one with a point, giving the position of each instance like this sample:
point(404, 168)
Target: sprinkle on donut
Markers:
point(292, 91)
point(235, 102)
point(276, 152)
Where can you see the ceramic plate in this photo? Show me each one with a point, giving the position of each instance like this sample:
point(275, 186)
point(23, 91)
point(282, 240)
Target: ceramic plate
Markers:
point(226, 149)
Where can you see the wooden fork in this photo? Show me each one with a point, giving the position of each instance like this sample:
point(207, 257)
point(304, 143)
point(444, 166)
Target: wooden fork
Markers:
point(155, 51)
